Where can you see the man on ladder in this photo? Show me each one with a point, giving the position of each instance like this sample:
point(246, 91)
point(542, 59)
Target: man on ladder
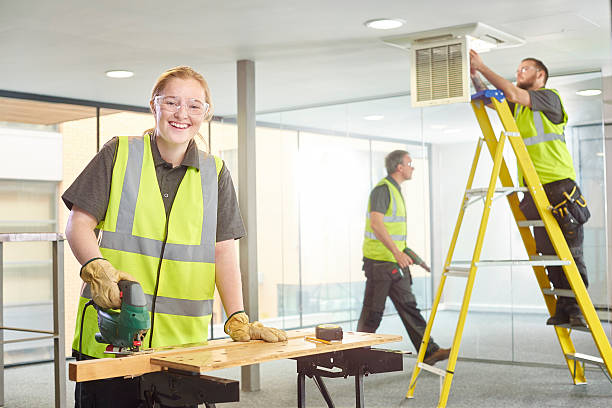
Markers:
point(541, 119)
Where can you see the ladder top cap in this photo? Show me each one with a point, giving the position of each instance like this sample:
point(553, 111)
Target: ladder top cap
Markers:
point(487, 94)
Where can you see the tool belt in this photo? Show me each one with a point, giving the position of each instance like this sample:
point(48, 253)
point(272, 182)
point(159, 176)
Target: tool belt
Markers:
point(571, 212)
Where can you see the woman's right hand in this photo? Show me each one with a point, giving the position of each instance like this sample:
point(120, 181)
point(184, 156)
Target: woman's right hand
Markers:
point(103, 279)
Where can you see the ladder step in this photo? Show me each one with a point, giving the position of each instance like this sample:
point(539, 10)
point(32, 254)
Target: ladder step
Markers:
point(482, 191)
point(559, 292)
point(459, 271)
point(586, 359)
point(432, 369)
point(534, 260)
point(567, 326)
point(531, 223)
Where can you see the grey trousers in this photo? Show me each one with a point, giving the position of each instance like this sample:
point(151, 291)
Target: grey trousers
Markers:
point(554, 192)
point(381, 282)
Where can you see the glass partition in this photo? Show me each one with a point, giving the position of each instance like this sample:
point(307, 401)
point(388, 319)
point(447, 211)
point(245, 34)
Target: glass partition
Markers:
point(331, 156)
point(315, 169)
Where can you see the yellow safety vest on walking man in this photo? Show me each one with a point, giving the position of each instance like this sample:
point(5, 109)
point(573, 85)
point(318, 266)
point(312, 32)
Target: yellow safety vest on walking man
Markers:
point(395, 223)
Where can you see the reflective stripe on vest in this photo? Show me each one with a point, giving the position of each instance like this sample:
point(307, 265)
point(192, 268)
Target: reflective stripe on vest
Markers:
point(122, 240)
point(371, 235)
point(390, 218)
point(171, 306)
point(541, 136)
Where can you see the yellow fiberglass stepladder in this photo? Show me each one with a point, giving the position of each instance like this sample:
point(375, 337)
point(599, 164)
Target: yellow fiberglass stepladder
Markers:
point(496, 100)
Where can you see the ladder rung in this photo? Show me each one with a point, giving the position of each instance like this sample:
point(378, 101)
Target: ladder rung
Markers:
point(567, 326)
point(585, 358)
point(482, 191)
point(534, 260)
point(459, 271)
point(547, 260)
point(531, 223)
point(559, 292)
point(432, 369)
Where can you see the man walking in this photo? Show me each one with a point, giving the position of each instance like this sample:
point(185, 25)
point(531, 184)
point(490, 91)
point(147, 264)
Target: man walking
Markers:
point(385, 262)
point(541, 119)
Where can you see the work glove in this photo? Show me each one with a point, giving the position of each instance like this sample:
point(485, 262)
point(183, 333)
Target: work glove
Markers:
point(239, 329)
point(103, 278)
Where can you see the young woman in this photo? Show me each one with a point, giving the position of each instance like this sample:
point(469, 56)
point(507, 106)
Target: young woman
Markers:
point(168, 216)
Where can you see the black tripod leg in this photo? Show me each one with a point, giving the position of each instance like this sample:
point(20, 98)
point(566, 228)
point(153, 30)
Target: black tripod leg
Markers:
point(301, 390)
point(359, 403)
point(323, 389)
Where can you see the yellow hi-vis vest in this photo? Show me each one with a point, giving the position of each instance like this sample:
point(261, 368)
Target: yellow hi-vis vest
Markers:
point(173, 258)
point(545, 142)
point(395, 223)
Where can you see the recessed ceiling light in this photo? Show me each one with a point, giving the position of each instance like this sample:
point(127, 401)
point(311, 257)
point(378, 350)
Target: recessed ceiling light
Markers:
point(118, 73)
point(589, 92)
point(384, 23)
point(374, 117)
point(438, 127)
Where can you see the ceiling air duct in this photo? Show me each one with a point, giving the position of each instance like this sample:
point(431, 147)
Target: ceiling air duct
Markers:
point(439, 60)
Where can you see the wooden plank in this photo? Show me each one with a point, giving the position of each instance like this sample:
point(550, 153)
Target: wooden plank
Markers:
point(139, 364)
point(218, 354)
point(201, 361)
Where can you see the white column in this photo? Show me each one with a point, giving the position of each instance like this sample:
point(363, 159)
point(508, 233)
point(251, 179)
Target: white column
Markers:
point(247, 189)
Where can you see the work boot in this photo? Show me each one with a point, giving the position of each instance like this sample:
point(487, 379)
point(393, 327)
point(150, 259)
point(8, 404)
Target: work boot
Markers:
point(561, 316)
point(577, 321)
point(558, 319)
point(438, 355)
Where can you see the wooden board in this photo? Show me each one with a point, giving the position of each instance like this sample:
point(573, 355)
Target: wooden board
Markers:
point(200, 361)
point(218, 354)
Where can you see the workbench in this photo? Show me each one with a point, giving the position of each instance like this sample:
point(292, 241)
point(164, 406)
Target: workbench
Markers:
point(170, 374)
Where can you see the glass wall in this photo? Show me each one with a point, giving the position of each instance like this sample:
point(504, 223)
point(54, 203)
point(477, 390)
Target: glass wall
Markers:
point(311, 217)
point(315, 169)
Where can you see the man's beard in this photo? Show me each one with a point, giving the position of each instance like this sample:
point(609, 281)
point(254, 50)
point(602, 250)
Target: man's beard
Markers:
point(524, 85)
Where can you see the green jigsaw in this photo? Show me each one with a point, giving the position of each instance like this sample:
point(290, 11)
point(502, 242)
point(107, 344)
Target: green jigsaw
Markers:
point(124, 330)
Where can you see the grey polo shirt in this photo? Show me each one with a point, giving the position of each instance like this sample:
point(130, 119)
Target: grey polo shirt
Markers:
point(547, 102)
point(91, 189)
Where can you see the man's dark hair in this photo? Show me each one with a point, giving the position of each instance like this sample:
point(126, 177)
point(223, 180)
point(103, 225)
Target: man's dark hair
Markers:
point(394, 159)
point(539, 65)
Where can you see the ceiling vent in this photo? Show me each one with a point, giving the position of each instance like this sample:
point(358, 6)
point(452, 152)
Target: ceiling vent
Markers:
point(439, 64)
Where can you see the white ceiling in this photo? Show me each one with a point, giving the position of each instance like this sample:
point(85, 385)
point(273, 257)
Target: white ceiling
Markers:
point(306, 52)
